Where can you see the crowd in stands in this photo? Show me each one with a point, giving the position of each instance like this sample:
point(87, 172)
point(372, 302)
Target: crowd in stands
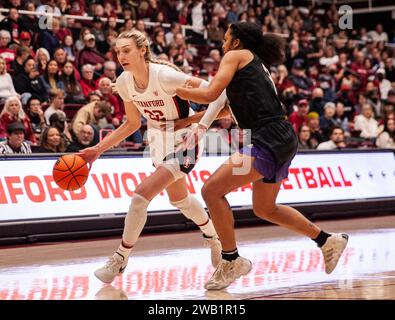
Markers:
point(57, 82)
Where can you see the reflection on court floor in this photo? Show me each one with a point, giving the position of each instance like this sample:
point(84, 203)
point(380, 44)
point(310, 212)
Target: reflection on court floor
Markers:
point(280, 269)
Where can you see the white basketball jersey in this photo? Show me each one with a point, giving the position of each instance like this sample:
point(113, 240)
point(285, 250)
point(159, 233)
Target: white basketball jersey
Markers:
point(156, 105)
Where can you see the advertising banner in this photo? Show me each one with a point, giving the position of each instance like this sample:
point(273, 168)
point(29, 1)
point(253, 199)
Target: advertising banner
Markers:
point(27, 189)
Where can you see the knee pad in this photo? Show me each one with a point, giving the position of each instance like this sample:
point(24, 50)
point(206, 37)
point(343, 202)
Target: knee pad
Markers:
point(192, 209)
point(135, 218)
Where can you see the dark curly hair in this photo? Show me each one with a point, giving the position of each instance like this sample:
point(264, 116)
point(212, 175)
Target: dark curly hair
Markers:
point(269, 47)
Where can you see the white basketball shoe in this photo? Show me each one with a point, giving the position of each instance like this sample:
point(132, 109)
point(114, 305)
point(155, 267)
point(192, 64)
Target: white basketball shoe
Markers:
point(114, 266)
point(227, 272)
point(333, 249)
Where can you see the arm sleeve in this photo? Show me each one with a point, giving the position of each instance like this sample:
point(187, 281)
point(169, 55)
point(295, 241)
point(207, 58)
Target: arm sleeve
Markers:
point(170, 79)
point(122, 90)
point(213, 110)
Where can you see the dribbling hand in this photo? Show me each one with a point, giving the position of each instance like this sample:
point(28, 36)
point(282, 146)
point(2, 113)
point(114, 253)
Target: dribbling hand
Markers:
point(89, 154)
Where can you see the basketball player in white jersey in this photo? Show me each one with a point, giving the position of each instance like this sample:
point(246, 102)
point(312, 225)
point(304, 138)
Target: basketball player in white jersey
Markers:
point(148, 88)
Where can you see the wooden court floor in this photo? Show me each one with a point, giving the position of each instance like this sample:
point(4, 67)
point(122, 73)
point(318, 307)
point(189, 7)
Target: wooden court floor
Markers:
point(176, 266)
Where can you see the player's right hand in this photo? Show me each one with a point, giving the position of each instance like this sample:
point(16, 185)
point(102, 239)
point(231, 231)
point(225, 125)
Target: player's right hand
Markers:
point(193, 137)
point(89, 154)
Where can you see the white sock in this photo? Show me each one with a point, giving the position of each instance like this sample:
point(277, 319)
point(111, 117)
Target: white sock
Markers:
point(134, 223)
point(208, 229)
point(135, 219)
point(124, 251)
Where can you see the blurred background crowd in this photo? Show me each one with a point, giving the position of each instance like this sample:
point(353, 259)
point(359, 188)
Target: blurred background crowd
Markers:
point(57, 82)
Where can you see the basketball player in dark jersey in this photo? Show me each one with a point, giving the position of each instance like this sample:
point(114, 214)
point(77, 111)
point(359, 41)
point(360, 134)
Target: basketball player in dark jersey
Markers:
point(255, 105)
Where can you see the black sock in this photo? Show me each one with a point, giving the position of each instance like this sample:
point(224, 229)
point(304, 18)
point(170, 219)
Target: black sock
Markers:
point(230, 255)
point(321, 238)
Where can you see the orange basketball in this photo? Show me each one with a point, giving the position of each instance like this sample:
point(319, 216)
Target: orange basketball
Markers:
point(70, 172)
